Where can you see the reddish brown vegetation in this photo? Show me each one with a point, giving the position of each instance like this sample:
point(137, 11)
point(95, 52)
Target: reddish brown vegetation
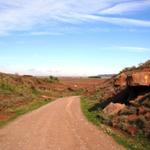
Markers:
point(17, 91)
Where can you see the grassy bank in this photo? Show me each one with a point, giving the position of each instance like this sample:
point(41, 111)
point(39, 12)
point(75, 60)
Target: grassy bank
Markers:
point(130, 143)
point(22, 94)
point(24, 109)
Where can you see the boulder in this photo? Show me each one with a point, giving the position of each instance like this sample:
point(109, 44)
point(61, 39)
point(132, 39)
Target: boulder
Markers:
point(147, 115)
point(129, 110)
point(132, 118)
point(113, 108)
point(132, 130)
point(141, 110)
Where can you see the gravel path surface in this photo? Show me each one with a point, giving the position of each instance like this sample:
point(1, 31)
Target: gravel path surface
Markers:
point(60, 125)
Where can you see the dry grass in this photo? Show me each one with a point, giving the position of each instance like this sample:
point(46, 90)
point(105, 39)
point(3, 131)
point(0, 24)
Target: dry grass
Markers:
point(17, 92)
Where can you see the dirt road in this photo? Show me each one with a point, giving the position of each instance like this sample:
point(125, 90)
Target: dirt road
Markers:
point(59, 125)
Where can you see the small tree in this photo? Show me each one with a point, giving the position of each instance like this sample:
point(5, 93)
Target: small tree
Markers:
point(52, 79)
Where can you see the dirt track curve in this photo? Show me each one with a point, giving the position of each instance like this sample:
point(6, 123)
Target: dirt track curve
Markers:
point(59, 125)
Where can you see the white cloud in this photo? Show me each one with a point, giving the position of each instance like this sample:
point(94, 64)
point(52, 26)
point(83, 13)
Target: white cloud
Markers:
point(22, 15)
point(44, 33)
point(115, 20)
point(135, 49)
point(127, 7)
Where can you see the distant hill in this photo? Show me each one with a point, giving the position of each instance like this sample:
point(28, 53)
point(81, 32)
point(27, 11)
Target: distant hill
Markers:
point(103, 76)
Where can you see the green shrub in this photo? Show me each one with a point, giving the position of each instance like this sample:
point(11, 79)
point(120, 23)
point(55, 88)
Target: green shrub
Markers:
point(52, 79)
point(5, 86)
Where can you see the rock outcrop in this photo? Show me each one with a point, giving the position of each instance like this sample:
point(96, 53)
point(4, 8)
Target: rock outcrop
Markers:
point(133, 78)
point(127, 99)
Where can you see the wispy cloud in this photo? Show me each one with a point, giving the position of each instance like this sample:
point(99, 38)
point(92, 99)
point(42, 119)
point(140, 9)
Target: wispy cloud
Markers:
point(33, 15)
point(130, 49)
point(127, 7)
point(134, 49)
point(44, 33)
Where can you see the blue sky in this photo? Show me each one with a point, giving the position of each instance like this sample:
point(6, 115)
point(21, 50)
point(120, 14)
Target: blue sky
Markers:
point(72, 37)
